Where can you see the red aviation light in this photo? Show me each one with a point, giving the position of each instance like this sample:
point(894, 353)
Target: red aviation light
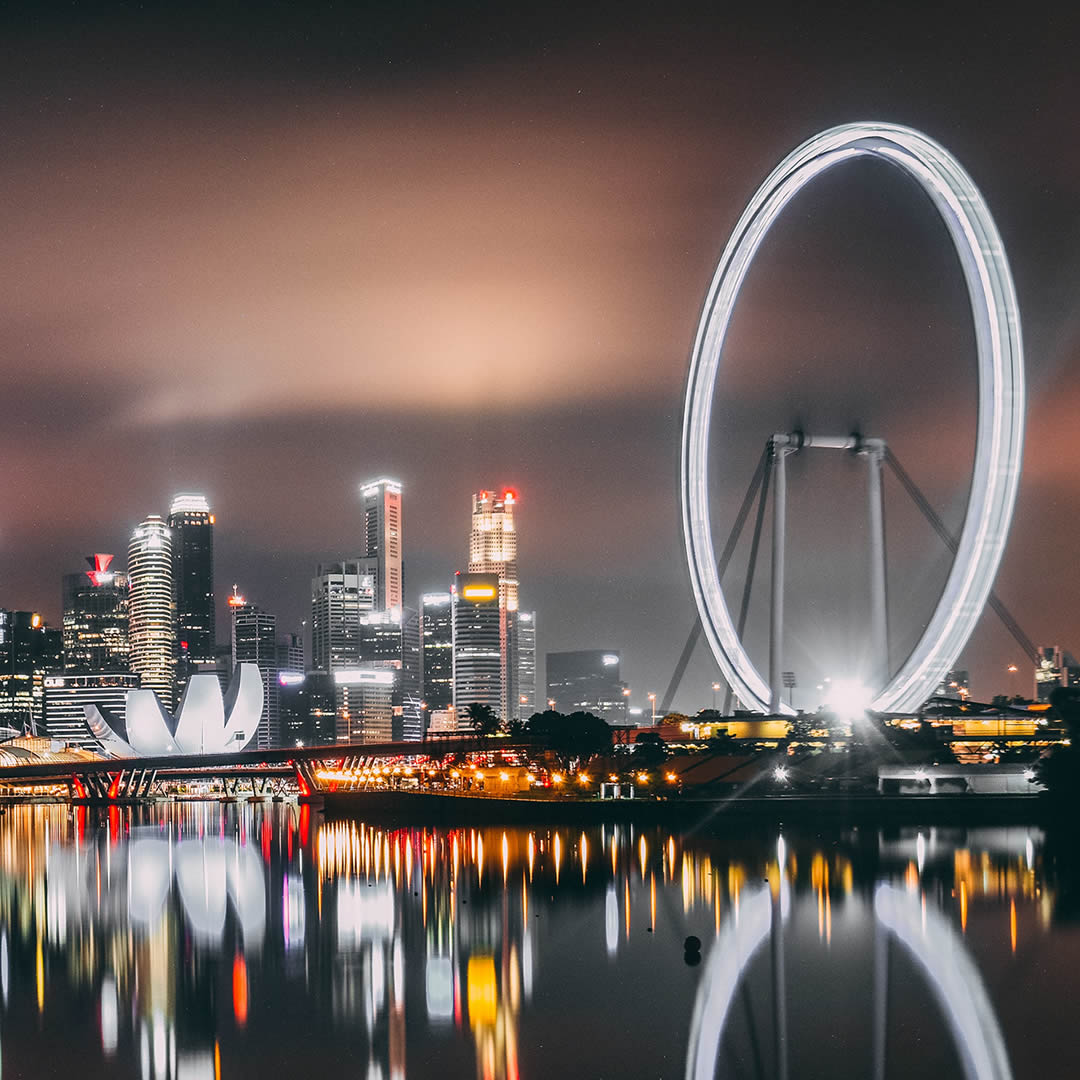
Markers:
point(509, 495)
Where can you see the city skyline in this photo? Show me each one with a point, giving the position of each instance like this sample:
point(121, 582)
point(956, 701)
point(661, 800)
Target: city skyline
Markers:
point(565, 298)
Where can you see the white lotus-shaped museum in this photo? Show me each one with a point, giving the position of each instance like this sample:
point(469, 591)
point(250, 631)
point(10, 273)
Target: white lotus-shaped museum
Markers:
point(205, 723)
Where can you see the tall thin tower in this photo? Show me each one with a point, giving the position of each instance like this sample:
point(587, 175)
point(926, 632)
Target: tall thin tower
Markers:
point(151, 616)
point(493, 550)
point(192, 527)
point(382, 540)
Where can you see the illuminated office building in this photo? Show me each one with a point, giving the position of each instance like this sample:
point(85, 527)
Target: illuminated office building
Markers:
point(95, 621)
point(477, 649)
point(391, 639)
point(526, 663)
point(437, 650)
point(341, 593)
point(365, 704)
point(254, 641)
point(382, 540)
point(307, 707)
point(66, 698)
point(192, 527)
point(29, 651)
point(587, 681)
point(493, 550)
point(151, 614)
point(1056, 668)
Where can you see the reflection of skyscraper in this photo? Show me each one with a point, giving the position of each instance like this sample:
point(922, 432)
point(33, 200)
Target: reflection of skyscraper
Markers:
point(477, 630)
point(493, 550)
point(340, 594)
point(255, 642)
point(526, 650)
point(382, 539)
point(151, 623)
point(95, 605)
point(192, 527)
point(437, 646)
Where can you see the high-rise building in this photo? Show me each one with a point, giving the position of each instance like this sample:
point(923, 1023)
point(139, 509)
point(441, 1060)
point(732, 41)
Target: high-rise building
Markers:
point(340, 594)
point(66, 698)
point(382, 540)
point(29, 650)
point(477, 649)
point(290, 653)
point(192, 527)
point(151, 611)
point(391, 639)
point(493, 550)
point(365, 704)
point(308, 708)
point(587, 681)
point(95, 627)
point(526, 658)
point(437, 651)
point(1056, 668)
point(254, 641)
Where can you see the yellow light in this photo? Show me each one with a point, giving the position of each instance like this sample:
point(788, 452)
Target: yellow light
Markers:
point(504, 776)
point(670, 778)
point(530, 778)
point(643, 778)
point(556, 778)
point(613, 778)
point(479, 592)
point(583, 778)
point(479, 775)
point(454, 773)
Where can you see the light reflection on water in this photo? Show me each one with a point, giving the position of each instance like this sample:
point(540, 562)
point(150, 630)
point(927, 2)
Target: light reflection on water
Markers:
point(194, 942)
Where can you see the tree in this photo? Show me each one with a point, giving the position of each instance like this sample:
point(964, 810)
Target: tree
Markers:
point(577, 736)
point(649, 750)
point(483, 719)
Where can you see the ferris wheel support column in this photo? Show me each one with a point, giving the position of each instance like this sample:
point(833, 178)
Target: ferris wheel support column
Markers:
point(780, 449)
point(874, 451)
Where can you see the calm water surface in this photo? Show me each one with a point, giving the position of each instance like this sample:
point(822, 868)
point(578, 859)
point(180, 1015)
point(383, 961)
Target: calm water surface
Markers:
point(199, 941)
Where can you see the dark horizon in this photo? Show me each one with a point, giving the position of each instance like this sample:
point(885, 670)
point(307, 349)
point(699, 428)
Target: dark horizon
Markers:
point(271, 258)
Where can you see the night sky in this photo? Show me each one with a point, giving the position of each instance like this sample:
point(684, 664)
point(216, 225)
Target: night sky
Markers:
point(268, 256)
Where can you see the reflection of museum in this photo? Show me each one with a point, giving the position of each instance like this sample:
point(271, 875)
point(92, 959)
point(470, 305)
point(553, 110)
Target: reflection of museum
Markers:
point(178, 925)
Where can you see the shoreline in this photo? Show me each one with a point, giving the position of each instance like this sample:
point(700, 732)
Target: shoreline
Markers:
point(411, 808)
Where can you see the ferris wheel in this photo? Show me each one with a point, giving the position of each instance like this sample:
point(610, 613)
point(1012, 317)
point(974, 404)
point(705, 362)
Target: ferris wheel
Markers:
point(978, 549)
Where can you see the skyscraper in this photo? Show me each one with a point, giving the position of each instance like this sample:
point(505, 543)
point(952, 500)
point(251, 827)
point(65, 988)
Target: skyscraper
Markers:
point(95, 626)
point(391, 639)
point(192, 527)
point(437, 650)
point(587, 681)
point(526, 650)
point(29, 650)
point(477, 643)
point(493, 550)
point(66, 698)
point(340, 594)
point(254, 641)
point(151, 612)
point(382, 540)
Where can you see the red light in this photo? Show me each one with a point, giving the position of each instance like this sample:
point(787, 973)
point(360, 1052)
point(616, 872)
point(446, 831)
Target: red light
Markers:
point(80, 790)
point(302, 784)
point(114, 787)
point(183, 644)
point(509, 495)
point(240, 990)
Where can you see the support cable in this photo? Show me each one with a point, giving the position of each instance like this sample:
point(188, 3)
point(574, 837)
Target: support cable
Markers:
point(950, 541)
point(759, 477)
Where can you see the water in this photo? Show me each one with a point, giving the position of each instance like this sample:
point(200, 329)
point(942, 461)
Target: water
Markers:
point(198, 941)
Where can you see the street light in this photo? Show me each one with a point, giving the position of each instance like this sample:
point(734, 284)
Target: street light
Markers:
point(715, 687)
point(551, 704)
point(652, 701)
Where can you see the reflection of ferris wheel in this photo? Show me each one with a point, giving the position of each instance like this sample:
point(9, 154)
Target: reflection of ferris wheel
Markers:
point(924, 934)
point(998, 444)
